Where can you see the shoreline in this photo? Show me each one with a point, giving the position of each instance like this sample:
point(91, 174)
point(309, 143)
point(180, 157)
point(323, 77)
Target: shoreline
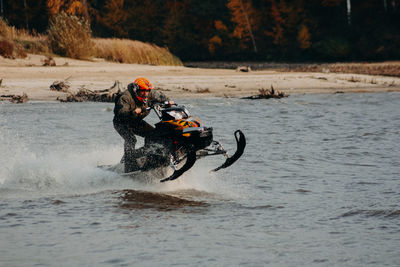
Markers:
point(31, 77)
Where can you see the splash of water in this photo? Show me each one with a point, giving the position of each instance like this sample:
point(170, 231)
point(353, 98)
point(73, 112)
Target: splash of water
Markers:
point(25, 172)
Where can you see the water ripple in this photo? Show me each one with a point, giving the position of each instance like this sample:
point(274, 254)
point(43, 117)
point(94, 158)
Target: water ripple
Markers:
point(373, 213)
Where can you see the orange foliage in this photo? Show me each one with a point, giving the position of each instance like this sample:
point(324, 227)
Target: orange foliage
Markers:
point(75, 8)
point(213, 43)
point(304, 37)
point(277, 13)
point(54, 6)
point(115, 16)
point(220, 26)
point(287, 22)
point(72, 7)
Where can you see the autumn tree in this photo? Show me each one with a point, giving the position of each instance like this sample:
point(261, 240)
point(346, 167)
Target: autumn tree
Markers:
point(246, 19)
point(211, 22)
point(71, 7)
point(145, 20)
point(54, 6)
point(189, 26)
point(216, 41)
point(289, 27)
point(113, 16)
point(175, 30)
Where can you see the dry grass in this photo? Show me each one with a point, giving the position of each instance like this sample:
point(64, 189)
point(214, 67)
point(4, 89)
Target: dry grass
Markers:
point(8, 47)
point(71, 37)
point(6, 31)
point(23, 40)
point(33, 43)
point(129, 51)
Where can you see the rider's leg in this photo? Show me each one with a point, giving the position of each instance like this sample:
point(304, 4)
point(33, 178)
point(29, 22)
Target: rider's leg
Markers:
point(128, 134)
point(143, 129)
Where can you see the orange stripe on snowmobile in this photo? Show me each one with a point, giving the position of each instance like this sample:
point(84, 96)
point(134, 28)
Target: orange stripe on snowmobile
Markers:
point(181, 124)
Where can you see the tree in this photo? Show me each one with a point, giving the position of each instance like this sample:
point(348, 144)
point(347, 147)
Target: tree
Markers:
point(27, 14)
point(2, 9)
point(72, 7)
point(114, 16)
point(54, 6)
point(304, 38)
point(174, 30)
point(246, 19)
point(144, 20)
point(288, 28)
point(348, 5)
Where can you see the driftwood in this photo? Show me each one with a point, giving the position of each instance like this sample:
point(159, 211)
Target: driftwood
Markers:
point(49, 61)
point(16, 98)
point(243, 68)
point(86, 95)
point(61, 86)
point(267, 93)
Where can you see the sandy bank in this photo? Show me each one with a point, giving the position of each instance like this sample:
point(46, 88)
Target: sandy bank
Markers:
point(29, 76)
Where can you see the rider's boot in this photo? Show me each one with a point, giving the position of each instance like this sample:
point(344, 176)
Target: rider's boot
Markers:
point(129, 158)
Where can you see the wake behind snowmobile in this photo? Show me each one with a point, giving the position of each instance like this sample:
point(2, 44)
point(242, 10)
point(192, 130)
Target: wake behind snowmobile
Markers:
point(177, 142)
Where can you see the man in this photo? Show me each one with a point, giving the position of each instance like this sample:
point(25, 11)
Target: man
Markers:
point(130, 109)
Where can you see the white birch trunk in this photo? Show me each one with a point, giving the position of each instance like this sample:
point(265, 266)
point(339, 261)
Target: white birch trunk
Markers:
point(249, 26)
point(349, 12)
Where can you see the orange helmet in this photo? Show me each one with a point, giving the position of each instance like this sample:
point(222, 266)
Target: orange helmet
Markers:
point(142, 84)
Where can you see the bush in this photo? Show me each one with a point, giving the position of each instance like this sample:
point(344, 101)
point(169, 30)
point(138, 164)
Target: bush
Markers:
point(6, 48)
point(332, 49)
point(34, 47)
point(70, 36)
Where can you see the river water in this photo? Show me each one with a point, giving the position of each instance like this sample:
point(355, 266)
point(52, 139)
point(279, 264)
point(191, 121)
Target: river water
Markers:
point(318, 185)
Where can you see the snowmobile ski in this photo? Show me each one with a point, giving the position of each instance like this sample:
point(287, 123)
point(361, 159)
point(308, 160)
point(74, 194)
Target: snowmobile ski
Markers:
point(241, 144)
point(190, 160)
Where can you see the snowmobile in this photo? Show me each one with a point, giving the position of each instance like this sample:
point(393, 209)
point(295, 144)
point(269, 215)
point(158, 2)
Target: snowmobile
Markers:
point(176, 143)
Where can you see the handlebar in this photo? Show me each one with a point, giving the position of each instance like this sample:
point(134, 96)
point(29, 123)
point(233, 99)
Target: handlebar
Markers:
point(158, 107)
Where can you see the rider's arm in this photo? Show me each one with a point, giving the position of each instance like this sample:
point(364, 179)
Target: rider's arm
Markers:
point(158, 97)
point(127, 108)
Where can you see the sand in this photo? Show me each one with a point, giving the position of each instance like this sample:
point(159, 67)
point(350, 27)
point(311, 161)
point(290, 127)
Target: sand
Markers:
point(31, 77)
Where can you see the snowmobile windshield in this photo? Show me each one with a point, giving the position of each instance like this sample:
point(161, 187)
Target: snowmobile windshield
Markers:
point(176, 113)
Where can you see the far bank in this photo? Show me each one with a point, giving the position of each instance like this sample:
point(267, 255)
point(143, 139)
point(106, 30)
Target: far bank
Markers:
point(31, 77)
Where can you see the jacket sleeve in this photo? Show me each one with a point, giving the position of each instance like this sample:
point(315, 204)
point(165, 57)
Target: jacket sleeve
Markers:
point(126, 108)
point(157, 97)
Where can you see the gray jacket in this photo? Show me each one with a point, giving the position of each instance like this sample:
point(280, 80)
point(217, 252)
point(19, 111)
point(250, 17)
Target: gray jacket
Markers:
point(125, 105)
